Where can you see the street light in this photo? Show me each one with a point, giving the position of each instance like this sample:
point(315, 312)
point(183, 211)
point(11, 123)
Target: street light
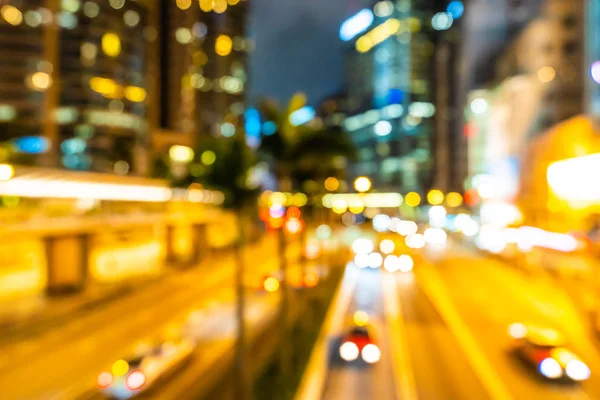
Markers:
point(362, 184)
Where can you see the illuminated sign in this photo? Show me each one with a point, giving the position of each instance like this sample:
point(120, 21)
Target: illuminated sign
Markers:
point(356, 24)
point(571, 180)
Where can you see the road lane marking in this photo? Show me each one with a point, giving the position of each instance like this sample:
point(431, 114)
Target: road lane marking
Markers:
point(433, 287)
point(315, 374)
point(398, 340)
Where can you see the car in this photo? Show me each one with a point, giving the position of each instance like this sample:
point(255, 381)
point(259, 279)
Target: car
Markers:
point(359, 341)
point(545, 350)
point(128, 377)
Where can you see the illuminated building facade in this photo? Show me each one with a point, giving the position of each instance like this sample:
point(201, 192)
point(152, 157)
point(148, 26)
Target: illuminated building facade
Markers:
point(538, 83)
point(593, 58)
point(203, 92)
point(389, 94)
point(80, 101)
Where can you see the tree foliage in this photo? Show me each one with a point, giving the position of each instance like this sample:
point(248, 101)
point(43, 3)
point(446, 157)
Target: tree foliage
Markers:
point(303, 152)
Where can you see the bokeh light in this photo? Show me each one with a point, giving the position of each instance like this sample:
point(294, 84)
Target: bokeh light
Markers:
point(223, 45)
point(332, 184)
point(595, 71)
point(362, 184)
point(387, 246)
point(546, 74)
point(11, 14)
point(412, 199)
point(435, 197)
point(111, 44)
point(454, 199)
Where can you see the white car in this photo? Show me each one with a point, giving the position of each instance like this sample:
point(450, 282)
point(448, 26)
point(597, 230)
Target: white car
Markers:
point(127, 378)
point(545, 350)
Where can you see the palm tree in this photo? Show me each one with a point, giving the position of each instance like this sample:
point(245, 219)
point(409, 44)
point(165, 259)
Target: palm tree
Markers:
point(223, 164)
point(296, 153)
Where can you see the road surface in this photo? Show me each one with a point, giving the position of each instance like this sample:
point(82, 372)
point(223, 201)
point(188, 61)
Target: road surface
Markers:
point(63, 363)
point(489, 295)
point(364, 381)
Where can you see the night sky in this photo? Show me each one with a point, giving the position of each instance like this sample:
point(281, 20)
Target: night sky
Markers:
point(297, 47)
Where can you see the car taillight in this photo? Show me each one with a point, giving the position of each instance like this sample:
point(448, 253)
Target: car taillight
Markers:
point(135, 380)
point(104, 379)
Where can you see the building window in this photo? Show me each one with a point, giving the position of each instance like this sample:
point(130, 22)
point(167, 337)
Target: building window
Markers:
point(570, 48)
point(569, 21)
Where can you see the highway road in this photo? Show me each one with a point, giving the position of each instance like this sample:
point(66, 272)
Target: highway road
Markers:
point(451, 324)
point(349, 381)
point(439, 367)
point(489, 295)
point(63, 363)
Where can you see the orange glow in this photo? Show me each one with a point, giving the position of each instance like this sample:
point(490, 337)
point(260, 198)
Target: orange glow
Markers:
point(471, 197)
point(275, 223)
point(293, 212)
point(311, 279)
point(264, 214)
point(546, 74)
point(332, 184)
point(271, 285)
point(454, 199)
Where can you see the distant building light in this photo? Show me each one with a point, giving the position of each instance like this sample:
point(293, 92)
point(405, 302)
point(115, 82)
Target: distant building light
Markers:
point(383, 128)
point(595, 71)
point(456, 8)
point(269, 128)
point(395, 96)
point(546, 74)
point(7, 112)
point(73, 146)
point(378, 35)
point(11, 14)
point(421, 109)
point(479, 105)
point(393, 111)
point(90, 9)
point(223, 45)
point(302, 116)
point(183, 35)
point(356, 24)
point(253, 125)
point(32, 144)
point(182, 154)
point(77, 161)
point(442, 21)
point(228, 129)
point(384, 8)
point(111, 44)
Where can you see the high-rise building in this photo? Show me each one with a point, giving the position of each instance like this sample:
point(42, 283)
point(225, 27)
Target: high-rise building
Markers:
point(389, 92)
point(538, 83)
point(203, 70)
point(75, 87)
point(592, 66)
